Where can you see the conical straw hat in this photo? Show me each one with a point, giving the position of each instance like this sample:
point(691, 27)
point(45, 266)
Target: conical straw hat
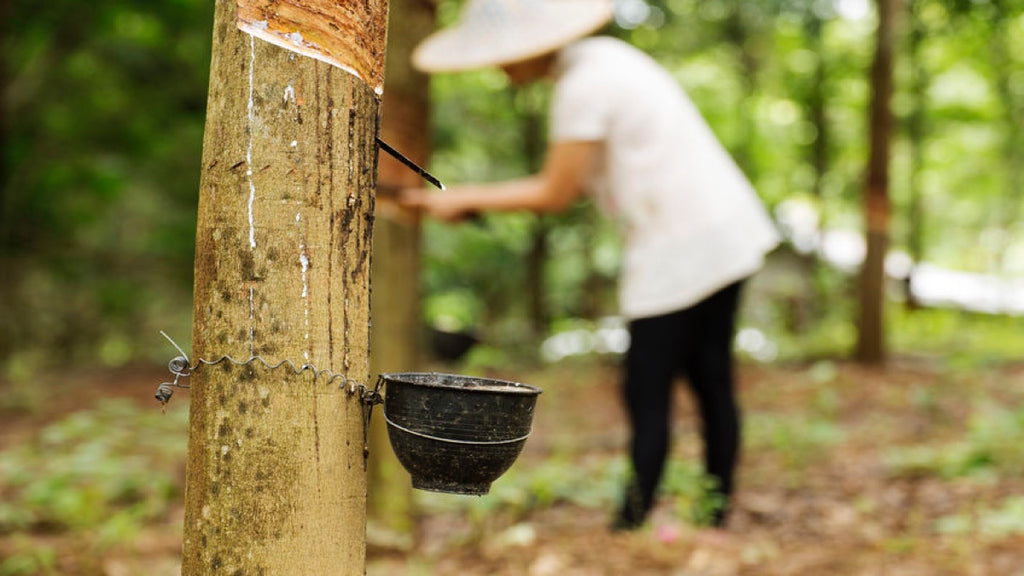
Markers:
point(495, 32)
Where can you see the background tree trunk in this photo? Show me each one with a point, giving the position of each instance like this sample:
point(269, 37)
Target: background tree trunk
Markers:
point(1004, 69)
point(10, 280)
point(804, 308)
point(738, 33)
point(818, 105)
point(4, 172)
point(395, 343)
point(276, 472)
point(870, 328)
point(537, 257)
point(916, 122)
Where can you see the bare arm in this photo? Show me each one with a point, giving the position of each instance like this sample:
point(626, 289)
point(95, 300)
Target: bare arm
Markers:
point(552, 190)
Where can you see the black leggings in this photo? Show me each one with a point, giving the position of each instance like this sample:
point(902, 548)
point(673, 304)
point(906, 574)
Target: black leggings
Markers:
point(695, 342)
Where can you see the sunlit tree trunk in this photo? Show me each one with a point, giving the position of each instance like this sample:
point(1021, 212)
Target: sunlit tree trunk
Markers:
point(395, 342)
point(276, 481)
point(870, 328)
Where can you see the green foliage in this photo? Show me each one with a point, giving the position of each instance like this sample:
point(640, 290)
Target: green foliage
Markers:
point(953, 338)
point(102, 473)
point(105, 104)
point(961, 340)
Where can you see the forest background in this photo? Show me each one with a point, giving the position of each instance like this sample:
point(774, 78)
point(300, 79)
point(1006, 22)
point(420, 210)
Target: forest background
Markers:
point(101, 134)
point(102, 130)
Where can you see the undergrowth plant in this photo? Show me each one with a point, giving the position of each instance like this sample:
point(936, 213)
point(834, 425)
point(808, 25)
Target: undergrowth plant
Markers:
point(526, 488)
point(990, 447)
point(595, 483)
point(693, 492)
point(97, 475)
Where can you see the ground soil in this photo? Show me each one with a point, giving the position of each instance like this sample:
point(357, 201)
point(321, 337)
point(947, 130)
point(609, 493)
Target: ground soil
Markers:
point(817, 492)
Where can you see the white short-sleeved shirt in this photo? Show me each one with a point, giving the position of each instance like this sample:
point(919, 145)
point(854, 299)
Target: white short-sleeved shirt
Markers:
point(692, 221)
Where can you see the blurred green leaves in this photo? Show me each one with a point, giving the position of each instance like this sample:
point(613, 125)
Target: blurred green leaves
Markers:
point(757, 71)
point(101, 136)
point(105, 105)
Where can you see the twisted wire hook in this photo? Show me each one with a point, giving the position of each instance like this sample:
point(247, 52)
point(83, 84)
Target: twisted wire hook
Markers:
point(182, 367)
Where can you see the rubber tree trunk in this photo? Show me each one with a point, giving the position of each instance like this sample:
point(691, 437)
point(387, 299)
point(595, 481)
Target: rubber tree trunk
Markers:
point(276, 480)
point(395, 338)
point(871, 326)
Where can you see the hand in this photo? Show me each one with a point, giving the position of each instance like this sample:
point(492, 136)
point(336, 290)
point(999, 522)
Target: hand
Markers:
point(448, 206)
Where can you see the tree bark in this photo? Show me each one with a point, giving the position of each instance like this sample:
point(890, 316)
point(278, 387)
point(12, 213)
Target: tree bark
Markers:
point(871, 333)
point(395, 340)
point(276, 472)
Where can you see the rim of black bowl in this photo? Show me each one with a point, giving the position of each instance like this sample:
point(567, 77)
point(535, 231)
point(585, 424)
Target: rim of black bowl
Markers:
point(460, 382)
